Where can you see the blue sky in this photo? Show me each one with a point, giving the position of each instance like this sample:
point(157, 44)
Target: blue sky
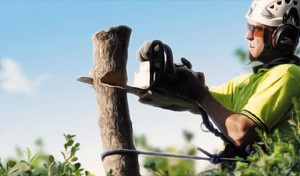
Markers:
point(46, 44)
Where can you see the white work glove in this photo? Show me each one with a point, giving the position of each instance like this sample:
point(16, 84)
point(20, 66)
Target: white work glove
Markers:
point(185, 83)
point(145, 52)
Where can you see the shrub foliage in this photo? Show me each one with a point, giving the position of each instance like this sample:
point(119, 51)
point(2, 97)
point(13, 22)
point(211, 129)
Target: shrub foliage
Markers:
point(282, 156)
point(43, 164)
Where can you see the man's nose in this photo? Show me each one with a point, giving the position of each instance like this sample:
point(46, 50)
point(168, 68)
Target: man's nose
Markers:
point(249, 35)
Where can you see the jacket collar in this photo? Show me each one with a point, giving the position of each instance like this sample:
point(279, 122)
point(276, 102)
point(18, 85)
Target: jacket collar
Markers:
point(279, 61)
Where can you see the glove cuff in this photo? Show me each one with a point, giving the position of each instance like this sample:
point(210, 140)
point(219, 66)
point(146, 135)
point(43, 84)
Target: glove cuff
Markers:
point(202, 94)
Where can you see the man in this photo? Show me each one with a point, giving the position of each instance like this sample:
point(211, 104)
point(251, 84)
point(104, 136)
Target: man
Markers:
point(261, 99)
point(264, 98)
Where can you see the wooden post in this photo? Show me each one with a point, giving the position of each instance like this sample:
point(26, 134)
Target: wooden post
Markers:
point(109, 75)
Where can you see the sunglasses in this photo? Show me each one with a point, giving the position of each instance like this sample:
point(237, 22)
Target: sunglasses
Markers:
point(256, 31)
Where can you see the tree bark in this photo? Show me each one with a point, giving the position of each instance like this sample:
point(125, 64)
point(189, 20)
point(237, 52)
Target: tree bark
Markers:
point(109, 75)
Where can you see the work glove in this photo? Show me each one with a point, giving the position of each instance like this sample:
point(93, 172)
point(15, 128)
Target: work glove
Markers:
point(190, 85)
point(179, 78)
point(147, 50)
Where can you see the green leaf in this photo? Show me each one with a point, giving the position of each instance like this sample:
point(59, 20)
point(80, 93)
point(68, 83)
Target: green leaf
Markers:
point(69, 143)
point(24, 162)
point(34, 158)
point(77, 166)
point(28, 153)
point(74, 159)
point(39, 142)
point(11, 164)
point(191, 151)
point(73, 151)
point(241, 53)
point(77, 145)
point(51, 158)
point(188, 135)
point(110, 173)
point(251, 172)
point(153, 166)
point(63, 154)
point(87, 173)
point(28, 173)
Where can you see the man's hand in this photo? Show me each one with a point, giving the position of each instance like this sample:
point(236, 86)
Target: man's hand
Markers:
point(190, 85)
point(185, 83)
point(145, 52)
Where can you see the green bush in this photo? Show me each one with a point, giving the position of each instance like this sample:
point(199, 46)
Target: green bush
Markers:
point(44, 164)
point(282, 158)
point(161, 166)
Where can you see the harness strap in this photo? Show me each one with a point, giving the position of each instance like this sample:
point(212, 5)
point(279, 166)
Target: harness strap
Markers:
point(207, 123)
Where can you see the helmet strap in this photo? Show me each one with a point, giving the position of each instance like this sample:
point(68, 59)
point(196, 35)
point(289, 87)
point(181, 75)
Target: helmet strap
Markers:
point(268, 49)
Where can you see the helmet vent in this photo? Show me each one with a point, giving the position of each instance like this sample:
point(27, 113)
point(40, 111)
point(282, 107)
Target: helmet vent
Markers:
point(295, 2)
point(287, 1)
point(279, 2)
point(272, 7)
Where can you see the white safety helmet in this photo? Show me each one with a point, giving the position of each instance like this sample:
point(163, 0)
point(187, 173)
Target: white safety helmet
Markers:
point(271, 12)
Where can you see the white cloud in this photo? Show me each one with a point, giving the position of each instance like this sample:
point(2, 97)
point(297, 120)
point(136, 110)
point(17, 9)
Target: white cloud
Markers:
point(13, 80)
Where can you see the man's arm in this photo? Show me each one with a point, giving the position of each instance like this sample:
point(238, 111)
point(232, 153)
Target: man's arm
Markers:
point(238, 128)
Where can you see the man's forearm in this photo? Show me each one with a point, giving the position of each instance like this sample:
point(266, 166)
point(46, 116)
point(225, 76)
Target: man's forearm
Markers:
point(216, 112)
point(238, 128)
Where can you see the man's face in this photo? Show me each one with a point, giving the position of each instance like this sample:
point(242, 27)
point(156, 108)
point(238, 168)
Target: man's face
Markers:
point(255, 36)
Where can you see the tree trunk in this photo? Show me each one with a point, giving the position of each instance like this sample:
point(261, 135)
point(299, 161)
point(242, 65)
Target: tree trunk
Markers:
point(109, 78)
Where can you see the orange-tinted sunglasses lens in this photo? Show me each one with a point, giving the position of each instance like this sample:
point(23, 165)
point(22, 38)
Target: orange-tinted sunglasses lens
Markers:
point(256, 31)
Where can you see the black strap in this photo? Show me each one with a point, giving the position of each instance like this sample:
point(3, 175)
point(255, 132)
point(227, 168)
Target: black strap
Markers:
point(213, 158)
point(207, 123)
